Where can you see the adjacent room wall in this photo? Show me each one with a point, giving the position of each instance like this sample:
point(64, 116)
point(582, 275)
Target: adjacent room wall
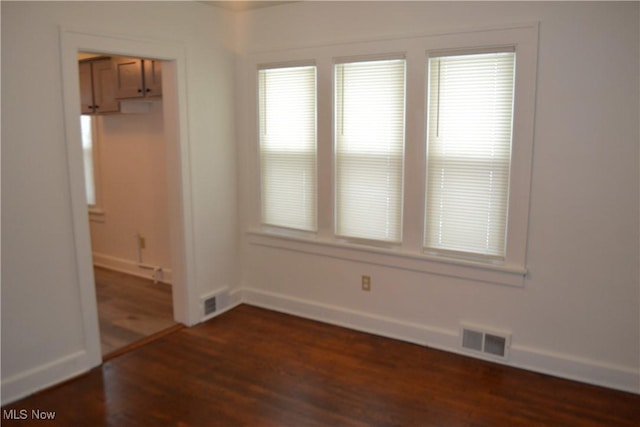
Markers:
point(42, 319)
point(577, 315)
point(133, 183)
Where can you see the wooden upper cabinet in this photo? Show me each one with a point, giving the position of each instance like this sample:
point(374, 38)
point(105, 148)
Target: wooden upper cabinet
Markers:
point(137, 78)
point(128, 77)
point(97, 87)
point(86, 88)
point(104, 86)
point(152, 77)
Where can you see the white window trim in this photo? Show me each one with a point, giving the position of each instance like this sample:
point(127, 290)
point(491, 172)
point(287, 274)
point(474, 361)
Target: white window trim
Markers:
point(409, 254)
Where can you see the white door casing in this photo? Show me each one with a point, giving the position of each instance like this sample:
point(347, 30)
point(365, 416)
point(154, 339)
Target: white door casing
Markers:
point(185, 301)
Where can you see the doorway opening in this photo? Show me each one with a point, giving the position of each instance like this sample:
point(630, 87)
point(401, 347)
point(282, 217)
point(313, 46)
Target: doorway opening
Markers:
point(127, 193)
point(186, 308)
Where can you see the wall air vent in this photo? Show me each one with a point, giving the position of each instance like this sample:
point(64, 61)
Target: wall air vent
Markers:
point(209, 305)
point(472, 340)
point(492, 344)
point(215, 302)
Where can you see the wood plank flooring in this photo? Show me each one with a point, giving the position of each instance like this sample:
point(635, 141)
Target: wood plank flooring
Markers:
point(254, 367)
point(130, 309)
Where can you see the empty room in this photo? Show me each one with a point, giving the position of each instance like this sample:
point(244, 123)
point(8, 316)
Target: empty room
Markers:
point(360, 213)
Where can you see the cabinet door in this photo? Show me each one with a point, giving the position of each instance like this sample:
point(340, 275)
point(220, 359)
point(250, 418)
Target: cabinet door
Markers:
point(86, 91)
point(104, 87)
point(128, 77)
point(152, 77)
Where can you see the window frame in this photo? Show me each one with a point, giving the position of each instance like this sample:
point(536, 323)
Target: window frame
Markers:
point(409, 254)
point(524, 44)
point(458, 253)
point(96, 210)
point(365, 59)
point(267, 225)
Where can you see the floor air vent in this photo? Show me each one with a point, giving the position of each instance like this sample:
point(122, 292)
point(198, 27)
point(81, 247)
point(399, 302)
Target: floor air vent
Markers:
point(487, 343)
point(209, 305)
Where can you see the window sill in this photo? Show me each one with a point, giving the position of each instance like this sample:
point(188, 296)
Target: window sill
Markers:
point(395, 258)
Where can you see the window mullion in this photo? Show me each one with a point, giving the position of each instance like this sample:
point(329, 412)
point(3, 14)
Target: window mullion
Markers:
point(325, 148)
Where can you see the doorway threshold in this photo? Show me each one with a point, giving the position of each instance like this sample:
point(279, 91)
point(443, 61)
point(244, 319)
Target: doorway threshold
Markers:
point(142, 342)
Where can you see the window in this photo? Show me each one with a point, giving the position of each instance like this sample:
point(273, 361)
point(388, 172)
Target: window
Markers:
point(424, 152)
point(90, 147)
point(369, 149)
point(468, 153)
point(287, 115)
point(86, 126)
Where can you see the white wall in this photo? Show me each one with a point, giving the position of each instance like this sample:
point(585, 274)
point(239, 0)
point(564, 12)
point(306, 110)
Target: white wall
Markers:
point(42, 327)
point(133, 183)
point(577, 315)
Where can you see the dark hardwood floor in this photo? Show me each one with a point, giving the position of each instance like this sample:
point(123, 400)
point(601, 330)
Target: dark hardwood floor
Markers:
point(254, 367)
point(130, 309)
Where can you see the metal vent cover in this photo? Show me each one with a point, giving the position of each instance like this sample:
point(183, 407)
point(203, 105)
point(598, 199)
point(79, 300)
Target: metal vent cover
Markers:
point(472, 340)
point(495, 345)
point(491, 344)
point(209, 305)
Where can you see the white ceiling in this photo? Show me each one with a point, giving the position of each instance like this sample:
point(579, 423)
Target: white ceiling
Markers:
point(243, 5)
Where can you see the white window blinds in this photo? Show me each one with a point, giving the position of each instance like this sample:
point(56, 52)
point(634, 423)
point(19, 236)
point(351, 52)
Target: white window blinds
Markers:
point(469, 150)
point(370, 105)
point(86, 128)
point(287, 113)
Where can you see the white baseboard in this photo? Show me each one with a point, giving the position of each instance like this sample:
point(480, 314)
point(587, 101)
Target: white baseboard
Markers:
point(132, 267)
point(235, 297)
point(555, 364)
point(41, 377)
point(364, 322)
point(576, 368)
